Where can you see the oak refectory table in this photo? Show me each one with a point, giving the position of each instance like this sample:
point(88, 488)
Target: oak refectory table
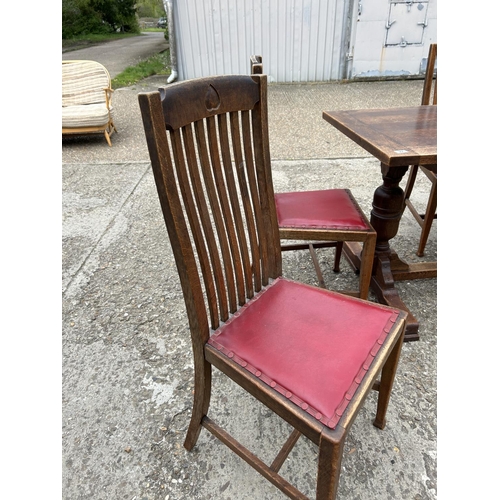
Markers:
point(399, 138)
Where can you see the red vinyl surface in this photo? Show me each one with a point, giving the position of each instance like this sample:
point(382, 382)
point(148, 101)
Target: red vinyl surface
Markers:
point(329, 208)
point(309, 344)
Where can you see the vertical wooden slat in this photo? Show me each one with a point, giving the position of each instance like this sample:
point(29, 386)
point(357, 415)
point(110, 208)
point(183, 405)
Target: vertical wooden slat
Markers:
point(245, 197)
point(254, 191)
point(263, 169)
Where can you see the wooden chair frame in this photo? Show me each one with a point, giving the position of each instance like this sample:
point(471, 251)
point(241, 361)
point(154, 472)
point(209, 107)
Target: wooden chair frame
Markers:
point(190, 129)
point(425, 220)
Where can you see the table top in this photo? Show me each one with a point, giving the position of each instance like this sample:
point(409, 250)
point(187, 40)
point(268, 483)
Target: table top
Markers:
point(396, 136)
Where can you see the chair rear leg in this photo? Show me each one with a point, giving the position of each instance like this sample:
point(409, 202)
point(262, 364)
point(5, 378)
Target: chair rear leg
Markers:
point(386, 382)
point(329, 466)
point(429, 217)
point(366, 265)
point(412, 176)
point(338, 254)
point(201, 402)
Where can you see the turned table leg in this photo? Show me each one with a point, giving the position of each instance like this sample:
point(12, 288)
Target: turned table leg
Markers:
point(387, 209)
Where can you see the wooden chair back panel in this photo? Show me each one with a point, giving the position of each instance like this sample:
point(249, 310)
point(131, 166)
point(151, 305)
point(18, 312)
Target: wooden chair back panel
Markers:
point(213, 178)
point(215, 99)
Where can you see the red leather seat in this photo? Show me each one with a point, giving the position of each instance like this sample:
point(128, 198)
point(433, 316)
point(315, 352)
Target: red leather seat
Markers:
point(325, 218)
point(311, 345)
point(327, 209)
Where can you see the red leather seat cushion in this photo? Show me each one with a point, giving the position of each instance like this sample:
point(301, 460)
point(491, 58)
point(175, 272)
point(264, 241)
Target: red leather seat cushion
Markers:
point(309, 344)
point(329, 208)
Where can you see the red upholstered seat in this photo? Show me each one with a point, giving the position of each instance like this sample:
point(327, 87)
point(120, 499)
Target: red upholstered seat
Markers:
point(311, 345)
point(328, 209)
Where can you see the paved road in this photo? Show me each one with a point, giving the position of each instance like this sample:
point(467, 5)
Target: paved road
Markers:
point(119, 54)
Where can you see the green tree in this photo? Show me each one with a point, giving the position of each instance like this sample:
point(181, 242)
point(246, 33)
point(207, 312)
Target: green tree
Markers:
point(150, 8)
point(81, 17)
point(119, 14)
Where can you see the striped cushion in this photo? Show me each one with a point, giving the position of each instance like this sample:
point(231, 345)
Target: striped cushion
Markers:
point(88, 115)
point(83, 82)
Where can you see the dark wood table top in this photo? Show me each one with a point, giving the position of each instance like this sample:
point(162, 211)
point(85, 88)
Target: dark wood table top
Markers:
point(396, 136)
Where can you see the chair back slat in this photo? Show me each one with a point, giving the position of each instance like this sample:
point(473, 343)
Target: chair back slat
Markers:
point(254, 201)
point(430, 78)
point(213, 175)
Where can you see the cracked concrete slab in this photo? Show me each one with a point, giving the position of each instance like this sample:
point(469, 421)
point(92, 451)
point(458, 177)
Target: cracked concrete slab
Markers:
point(127, 365)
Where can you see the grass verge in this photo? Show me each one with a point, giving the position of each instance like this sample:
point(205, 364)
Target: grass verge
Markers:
point(154, 65)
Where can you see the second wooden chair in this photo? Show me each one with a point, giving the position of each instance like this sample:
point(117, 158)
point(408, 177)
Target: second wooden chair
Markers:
point(324, 218)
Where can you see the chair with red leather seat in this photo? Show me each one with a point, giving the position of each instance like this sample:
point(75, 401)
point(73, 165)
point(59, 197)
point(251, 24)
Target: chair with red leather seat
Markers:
point(324, 218)
point(425, 219)
point(309, 354)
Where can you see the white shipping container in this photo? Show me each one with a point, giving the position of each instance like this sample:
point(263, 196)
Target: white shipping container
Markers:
point(304, 40)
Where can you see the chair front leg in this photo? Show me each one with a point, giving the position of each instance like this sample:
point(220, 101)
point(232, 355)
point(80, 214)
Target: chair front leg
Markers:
point(329, 466)
point(387, 381)
point(366, 266)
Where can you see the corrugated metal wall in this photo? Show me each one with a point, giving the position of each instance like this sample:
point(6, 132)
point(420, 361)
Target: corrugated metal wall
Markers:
point(299, 40)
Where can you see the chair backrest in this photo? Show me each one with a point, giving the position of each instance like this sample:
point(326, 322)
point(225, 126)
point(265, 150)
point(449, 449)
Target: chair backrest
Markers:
point(209, 148)
point(430, 76)
point(83, 82)
point(256, 66)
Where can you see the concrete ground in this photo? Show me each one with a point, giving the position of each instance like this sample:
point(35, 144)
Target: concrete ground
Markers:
point(127, 366)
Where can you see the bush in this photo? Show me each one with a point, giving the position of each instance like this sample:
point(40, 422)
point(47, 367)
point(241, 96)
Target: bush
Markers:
point(83, 17)
point(79, 19)
point(150, 8)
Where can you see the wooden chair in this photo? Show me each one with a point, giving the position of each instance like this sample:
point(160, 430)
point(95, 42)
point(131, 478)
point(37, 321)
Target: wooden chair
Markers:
point(324, 218)
point(86, 99)
point(425, 220)
point(278, 339)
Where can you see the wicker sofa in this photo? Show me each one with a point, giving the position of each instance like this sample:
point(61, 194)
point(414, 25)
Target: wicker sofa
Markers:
point(86, 99)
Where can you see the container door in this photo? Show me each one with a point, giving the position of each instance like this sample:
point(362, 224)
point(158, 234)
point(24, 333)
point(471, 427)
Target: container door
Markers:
point(390, 37)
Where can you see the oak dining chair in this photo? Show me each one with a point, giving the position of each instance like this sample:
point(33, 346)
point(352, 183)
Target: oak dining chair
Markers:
point(310, 355)
point(425, 220)
point(324, 218)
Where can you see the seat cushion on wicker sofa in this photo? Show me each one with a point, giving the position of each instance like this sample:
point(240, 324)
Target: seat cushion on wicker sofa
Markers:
point(86, 115)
